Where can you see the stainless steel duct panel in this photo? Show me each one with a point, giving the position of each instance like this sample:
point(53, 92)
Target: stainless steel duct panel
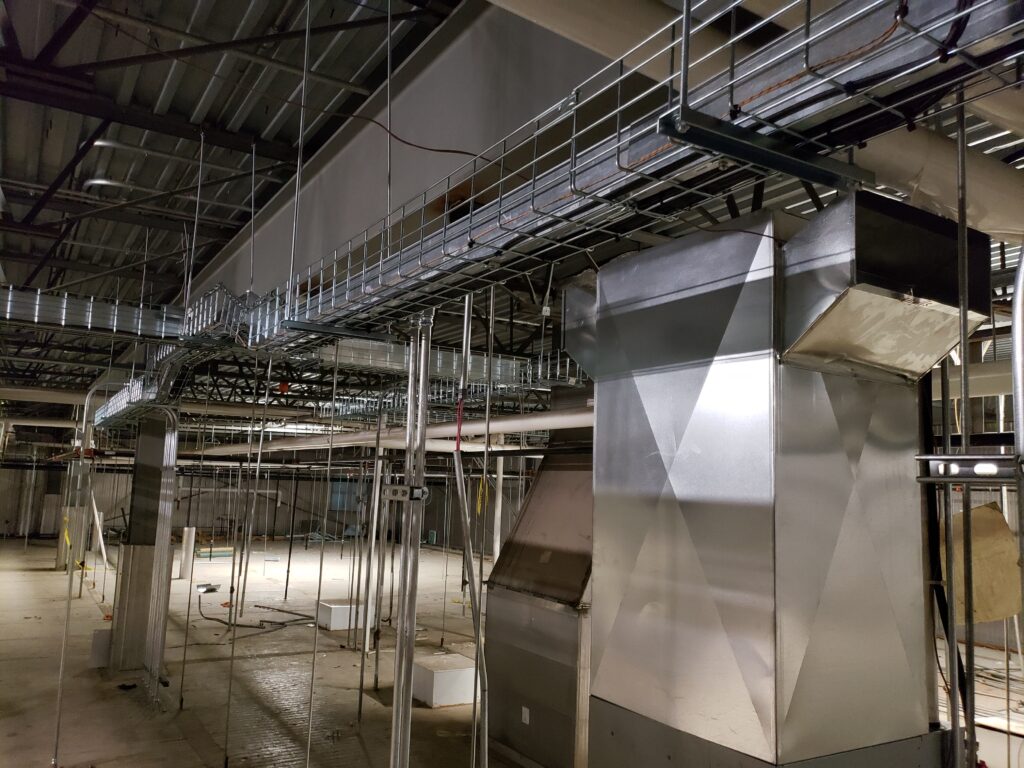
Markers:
point(548, 552)
point(538, 624)
point(757, 578)
point(871, 289)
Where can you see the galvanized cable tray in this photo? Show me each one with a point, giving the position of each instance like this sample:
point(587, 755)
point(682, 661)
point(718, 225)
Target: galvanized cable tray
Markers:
point(35, 308)
point(664, 140)
point(128, 403)
point(619, 156)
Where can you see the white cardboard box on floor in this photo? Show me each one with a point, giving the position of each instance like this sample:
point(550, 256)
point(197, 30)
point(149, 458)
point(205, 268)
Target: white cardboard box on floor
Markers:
point(334, 614)
point(443, 680)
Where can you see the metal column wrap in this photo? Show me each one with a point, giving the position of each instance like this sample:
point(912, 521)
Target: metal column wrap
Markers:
point(757, 534)
point(145, 563)
point(849, 593)
point(682, 620)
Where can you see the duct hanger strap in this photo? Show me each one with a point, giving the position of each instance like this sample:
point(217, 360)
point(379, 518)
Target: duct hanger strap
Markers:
point(704, 132)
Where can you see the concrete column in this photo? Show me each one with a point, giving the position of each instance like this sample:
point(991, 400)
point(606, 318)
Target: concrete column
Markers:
point(143, 589)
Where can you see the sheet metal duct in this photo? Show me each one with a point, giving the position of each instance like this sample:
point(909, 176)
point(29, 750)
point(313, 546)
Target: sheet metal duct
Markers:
point(371, 355)
point(871, 289)
point(538, 623)
point(758, 593)
point(920, 163)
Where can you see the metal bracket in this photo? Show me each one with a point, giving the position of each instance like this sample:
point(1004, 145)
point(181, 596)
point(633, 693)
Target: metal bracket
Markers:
point(404, 493)
point(696, 129)
point(968, 469)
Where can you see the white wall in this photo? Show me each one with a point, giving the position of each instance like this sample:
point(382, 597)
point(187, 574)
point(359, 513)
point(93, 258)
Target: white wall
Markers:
point(496, 75)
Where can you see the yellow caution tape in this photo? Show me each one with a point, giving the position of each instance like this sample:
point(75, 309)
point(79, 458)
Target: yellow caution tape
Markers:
point(483, 491)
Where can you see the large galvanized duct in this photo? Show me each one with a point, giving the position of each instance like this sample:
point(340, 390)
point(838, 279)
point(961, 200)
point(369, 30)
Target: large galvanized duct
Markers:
point(920, 163)
point(758, 592)
point(538, 612)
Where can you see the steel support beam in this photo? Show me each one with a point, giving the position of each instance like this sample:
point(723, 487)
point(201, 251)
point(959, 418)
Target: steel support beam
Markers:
point(93, 104)
point(721, 137)
point(28, 230)
point(65, 231)
point(140, 218)
point(61, 37)
point(206, 184)
point(234, 45)
point(152, 277)
point(7, 33)
point(152, 27)
point(69, 168)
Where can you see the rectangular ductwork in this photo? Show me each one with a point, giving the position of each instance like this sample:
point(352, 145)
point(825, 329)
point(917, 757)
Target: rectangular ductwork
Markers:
point(538, 615)
point(871, 289)
point(758, 583)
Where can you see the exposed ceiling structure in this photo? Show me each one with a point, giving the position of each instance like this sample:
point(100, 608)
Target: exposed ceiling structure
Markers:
point(111, 113)
point(107, 116)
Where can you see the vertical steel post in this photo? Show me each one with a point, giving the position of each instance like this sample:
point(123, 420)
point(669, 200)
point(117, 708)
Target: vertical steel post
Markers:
point(478, 625)
point(251, 521)
point(684, 56)
point(233, 604)
point(320, 577)
point(385, 528)
point(190, 257)
point(27, 518)
point(952, 653)
point(378, 467)
point(1017, 372)
point(291, 530)
point(467, 539)
point(400, 716)
point(71, 579)
point(289, 299)
point(415, 508)
point(252, 220)
point(965, 422)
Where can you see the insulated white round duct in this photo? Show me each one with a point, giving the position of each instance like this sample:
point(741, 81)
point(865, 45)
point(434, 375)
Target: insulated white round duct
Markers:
point(570, 418)
point(923, 165)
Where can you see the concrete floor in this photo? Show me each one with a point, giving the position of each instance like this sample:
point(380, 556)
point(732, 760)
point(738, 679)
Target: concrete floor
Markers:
point(104, 726)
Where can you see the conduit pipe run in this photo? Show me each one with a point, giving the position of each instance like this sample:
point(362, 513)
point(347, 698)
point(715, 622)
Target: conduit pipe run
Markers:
point(920, 163)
